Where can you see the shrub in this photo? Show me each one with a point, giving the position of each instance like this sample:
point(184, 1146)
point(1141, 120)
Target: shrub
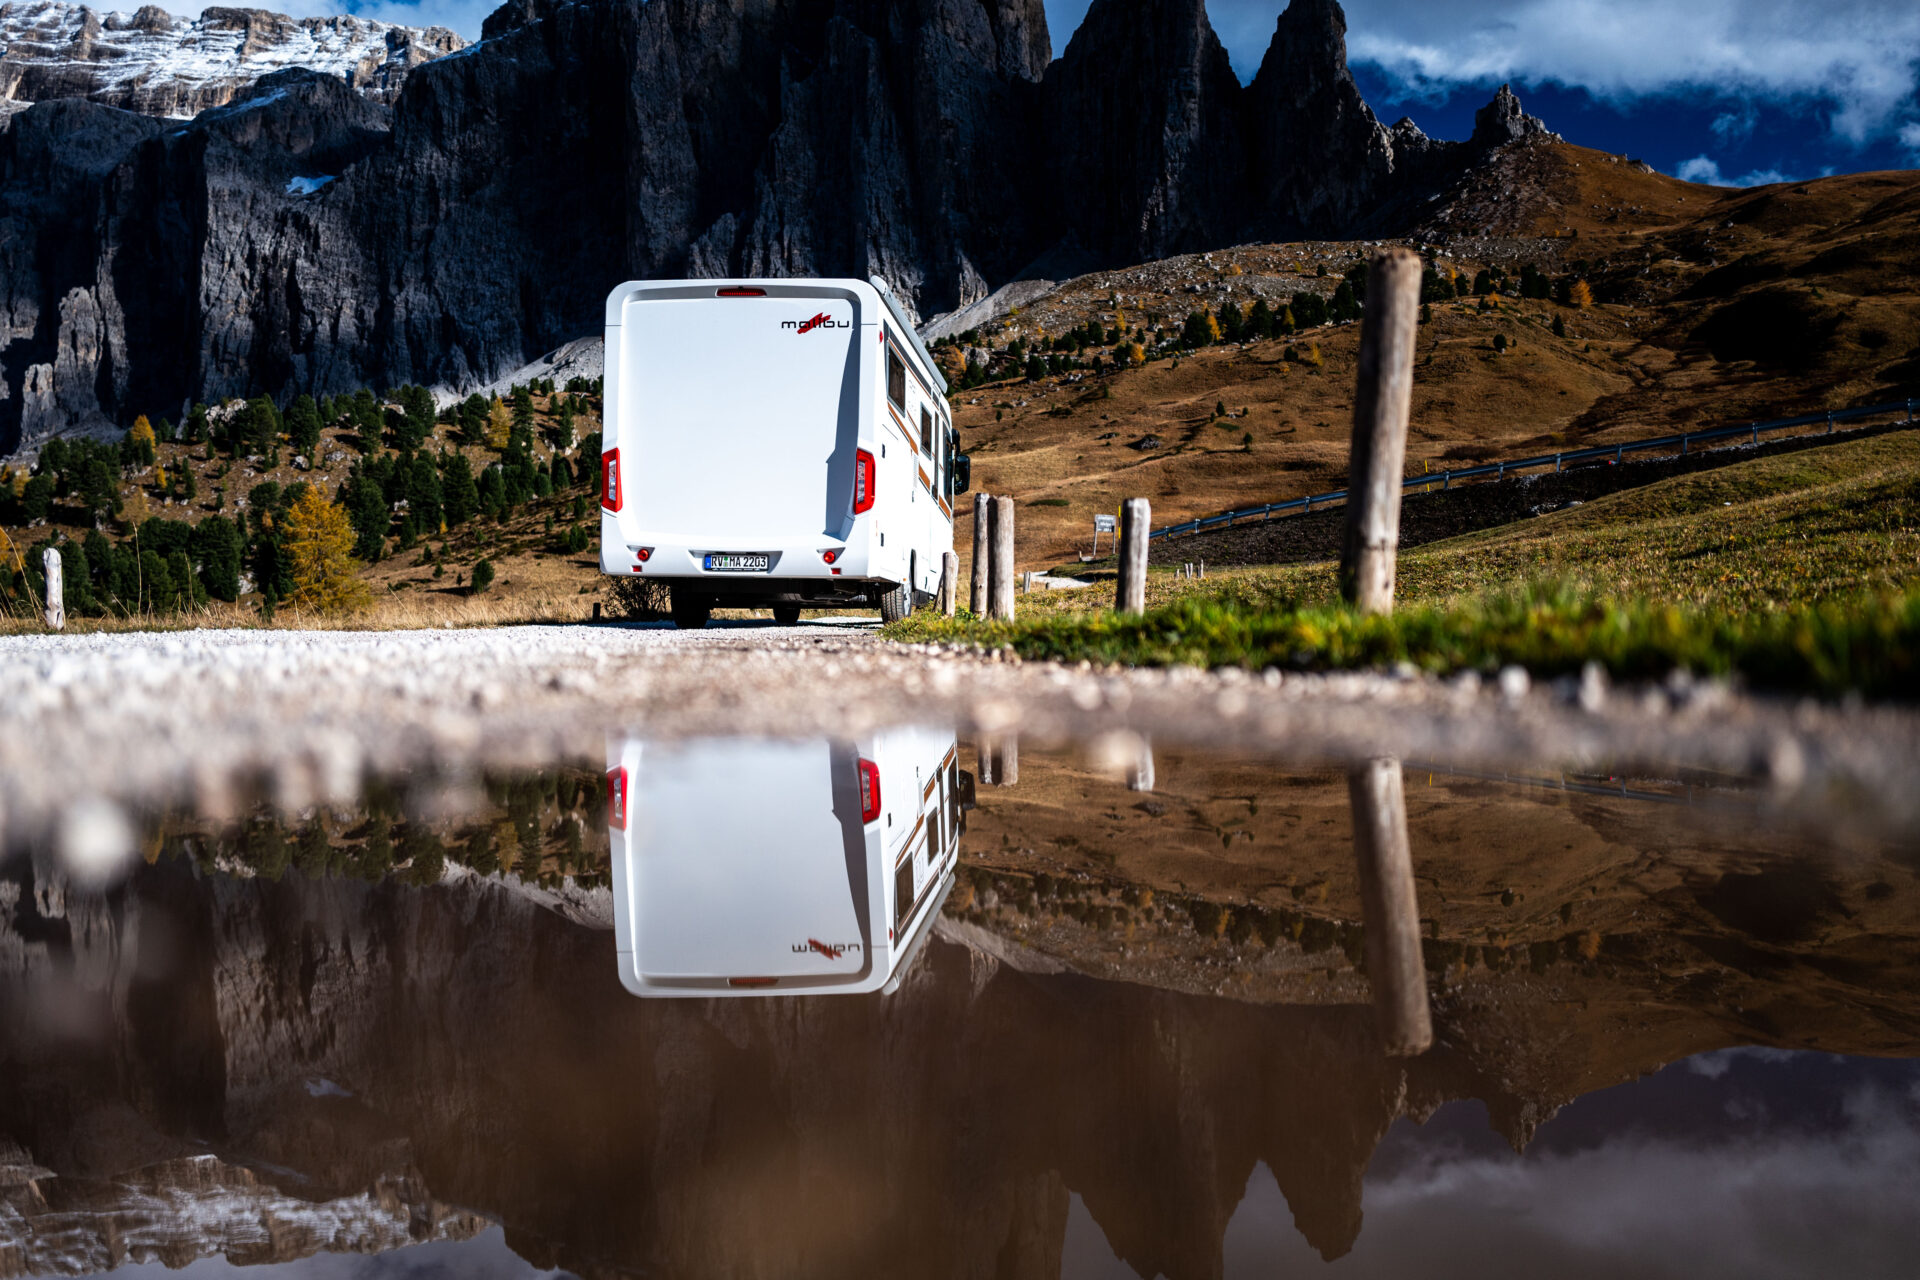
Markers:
point(482, 577)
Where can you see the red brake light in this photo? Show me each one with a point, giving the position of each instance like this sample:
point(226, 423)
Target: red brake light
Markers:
point(610, 495)
point(869, 791)
point(830, 555)
point(617, 798)
point(862, 481)
point(740, 291)
point(643, 554)
point(751, 982)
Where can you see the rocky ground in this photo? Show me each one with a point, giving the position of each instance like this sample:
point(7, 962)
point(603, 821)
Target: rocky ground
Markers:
point(212, 720)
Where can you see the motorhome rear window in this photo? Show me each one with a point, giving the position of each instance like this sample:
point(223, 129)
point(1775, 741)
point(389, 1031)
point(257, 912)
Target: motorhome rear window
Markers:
point(896, 379)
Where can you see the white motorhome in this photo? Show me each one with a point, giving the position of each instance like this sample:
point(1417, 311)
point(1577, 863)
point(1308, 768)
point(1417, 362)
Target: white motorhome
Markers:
point(777, 443)
point(826, 881)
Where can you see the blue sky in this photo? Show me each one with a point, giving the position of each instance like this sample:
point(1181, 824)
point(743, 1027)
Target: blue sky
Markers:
point(1714, 90)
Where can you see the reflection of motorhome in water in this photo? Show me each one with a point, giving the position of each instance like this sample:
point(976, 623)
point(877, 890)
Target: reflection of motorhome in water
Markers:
point(780, 868)
point(774, 442)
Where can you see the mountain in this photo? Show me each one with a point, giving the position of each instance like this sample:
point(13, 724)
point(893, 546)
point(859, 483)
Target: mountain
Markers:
point(308, 236)
point(161, 64)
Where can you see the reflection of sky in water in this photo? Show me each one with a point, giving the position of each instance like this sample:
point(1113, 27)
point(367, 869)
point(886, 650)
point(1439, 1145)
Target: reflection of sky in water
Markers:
point(1746, 1163)
point(485, 1257)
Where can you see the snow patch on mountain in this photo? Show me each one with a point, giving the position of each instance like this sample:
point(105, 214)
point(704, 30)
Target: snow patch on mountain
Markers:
point(163, 64)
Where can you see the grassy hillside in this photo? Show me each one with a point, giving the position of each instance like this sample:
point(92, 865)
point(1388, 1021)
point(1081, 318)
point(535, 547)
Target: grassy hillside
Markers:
point(1800, 571)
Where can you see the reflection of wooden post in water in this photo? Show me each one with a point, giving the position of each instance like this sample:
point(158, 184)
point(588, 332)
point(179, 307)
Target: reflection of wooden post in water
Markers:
point(1006, 760)
point(983, 772)
point(977, 590)
point(1139, 770)
point(1389, 908)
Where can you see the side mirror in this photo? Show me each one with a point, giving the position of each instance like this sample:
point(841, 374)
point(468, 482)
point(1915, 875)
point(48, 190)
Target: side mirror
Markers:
point(962, 473)
point(967, 792)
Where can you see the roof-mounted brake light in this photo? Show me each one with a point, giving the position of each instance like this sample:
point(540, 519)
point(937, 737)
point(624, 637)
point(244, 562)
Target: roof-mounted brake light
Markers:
point(739, 291)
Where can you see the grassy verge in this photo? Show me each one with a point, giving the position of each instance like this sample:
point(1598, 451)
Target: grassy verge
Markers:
point(1797, 572)
point(1869, 644)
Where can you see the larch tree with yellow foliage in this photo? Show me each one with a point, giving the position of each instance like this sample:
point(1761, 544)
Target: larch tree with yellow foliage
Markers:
point(326, 577)
point(1580, 295)
point(140, 436)
point(499, 424)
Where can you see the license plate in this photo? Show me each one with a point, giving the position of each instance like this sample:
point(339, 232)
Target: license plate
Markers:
point(749, 562)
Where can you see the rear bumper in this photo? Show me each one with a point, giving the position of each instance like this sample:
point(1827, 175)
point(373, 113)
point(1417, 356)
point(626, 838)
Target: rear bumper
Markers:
point(797, 569)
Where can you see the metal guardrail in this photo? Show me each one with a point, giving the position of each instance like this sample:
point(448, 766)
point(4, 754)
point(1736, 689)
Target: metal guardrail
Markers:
point(1557, 461)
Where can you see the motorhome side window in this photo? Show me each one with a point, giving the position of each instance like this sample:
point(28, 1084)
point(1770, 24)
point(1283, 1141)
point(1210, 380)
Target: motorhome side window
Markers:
point(896, 379)
point(926, 432)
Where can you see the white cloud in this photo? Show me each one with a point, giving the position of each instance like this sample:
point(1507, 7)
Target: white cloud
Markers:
point(1860, 54)
point(1910, 138)
point(1706, 169)
point(1735, 126)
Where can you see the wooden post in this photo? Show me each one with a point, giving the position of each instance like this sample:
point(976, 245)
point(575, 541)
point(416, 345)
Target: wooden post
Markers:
point(1000, 561)
point(56, 593)
point(1378, 453)
point(949, 582)
point(1388, 907)
point(1130, 596)
point(977, 588)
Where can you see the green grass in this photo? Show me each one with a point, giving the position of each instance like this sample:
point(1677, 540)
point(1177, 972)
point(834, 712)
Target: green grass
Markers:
point(1795, 572)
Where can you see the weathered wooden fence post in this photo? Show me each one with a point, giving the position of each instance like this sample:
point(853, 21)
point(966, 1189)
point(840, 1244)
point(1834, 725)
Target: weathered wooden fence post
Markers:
point(949, 582)
point(1130, 596)
point(977, 588)
point(1000, 557)
point(56, 592)
point(1388, 907)
point(1381, 403)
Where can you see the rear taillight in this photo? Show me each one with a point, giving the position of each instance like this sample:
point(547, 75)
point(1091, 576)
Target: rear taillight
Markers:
point(740, 291)
point(610, 495)
point(643, 554)
point(830, 554)
point(617, 798)
point(862, 481)
point(869, 791)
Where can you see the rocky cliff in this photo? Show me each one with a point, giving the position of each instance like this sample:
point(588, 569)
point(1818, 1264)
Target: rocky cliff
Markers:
point(308, 236)
point(161, 64)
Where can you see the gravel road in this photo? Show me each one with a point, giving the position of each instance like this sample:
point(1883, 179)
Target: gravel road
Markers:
point(218, 720)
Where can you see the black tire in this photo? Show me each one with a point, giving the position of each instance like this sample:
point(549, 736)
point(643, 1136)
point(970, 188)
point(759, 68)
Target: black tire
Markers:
point(896, 604)
point(690, 610)
point(786, 614)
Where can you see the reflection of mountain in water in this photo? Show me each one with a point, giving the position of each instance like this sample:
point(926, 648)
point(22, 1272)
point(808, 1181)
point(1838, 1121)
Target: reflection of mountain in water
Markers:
point(463, 1041)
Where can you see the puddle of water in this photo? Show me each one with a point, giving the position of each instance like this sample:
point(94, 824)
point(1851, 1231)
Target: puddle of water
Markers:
point(1083, 1011)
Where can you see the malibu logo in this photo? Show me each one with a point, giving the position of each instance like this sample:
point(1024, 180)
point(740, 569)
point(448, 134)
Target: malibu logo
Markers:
point(831, 950)
point(821, 321)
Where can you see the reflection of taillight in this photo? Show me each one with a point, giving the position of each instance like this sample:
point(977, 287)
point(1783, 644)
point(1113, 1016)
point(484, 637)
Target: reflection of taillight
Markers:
point(643, 554)
point(869, 791)
point(751, 982)
point(862, 481)
point(610, 495)
point(830, 555)
point(617, 798)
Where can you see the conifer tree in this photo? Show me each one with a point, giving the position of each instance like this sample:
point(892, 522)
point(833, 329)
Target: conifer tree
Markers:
point(140, 436)
point(303, 425)
point(319, 542)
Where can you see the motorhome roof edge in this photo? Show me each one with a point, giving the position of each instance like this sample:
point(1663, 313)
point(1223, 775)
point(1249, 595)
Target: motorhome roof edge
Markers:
point(900, 318)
